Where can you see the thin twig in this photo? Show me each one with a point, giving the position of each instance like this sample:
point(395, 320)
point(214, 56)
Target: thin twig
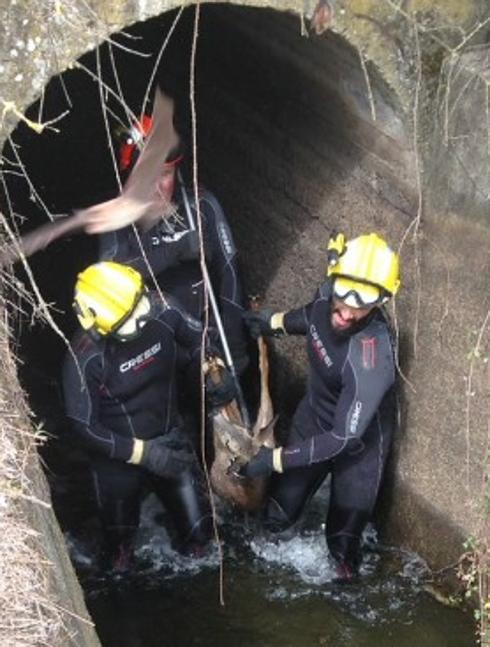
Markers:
point(368, 84)
point(36, 126)
point(417, 25)
point(40, 300)
point(472, 33)
point(159, 57)
point(206, 297)
point(475, 353)
point(418, 173)
point(28, 179)
point(445, 313)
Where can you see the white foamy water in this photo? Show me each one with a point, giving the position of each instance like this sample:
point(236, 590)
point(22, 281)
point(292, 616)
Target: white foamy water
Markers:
point(299, 567)
point(414, 567)
point(305, 554)
point(79, 553)
point(154, 546)
point(158, 555)
point(296, 565)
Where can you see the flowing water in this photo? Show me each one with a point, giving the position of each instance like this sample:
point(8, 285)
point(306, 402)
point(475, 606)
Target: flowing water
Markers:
point(276, 592)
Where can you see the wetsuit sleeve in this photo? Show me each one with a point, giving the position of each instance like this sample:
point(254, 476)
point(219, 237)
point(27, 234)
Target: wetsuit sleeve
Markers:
point(155, 252)
point(367, 375)
point(186, 330)
point(296, 322)
point(224, 273)
point(82, 386)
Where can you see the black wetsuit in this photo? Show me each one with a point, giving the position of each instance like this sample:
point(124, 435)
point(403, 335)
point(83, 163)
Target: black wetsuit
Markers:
point(343, 425)
point(174, 261)
point(117, 391)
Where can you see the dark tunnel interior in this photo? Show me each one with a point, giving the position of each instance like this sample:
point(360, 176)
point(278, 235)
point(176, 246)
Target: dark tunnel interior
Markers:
point(277, 142)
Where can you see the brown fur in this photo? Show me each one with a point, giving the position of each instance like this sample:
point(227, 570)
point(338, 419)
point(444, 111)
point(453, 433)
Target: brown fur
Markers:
point(235, 445)
point(139, 202)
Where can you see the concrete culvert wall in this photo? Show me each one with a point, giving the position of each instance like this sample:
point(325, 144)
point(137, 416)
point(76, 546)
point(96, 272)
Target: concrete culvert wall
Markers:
point(297, 135)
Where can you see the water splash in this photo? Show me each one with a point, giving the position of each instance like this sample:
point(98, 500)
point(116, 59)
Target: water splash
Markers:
point(156, 555)
point(305, 554)
point(299, 567)
point(289, 567)
point(79, 551)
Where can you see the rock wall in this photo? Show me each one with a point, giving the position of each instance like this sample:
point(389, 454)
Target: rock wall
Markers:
point(40, 597)
point(379, 123)
point(309, 157)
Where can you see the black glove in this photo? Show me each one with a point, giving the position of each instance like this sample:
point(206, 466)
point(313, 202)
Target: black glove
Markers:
point(162, 460)
point(220, 393)
point(259, 465)
point(259, 323)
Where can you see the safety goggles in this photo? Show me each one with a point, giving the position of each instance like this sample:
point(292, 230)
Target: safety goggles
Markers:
point(135, 322)
point(357, 295)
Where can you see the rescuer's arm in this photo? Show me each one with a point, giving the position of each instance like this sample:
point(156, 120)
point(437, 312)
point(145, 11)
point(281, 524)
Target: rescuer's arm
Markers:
point(188, 332)
point(368, 375)
point(82, 399)
point(270, 323)
point(151, 249)
point(225, 277)
point(82, 383)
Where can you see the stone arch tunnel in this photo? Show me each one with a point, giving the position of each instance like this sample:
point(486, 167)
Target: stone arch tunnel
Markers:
point(285, 138)
point(297, 134)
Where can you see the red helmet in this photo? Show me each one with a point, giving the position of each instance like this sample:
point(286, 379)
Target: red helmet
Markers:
point(132, 143)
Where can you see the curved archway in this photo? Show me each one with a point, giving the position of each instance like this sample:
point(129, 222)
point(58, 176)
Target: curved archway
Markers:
point(286, 138)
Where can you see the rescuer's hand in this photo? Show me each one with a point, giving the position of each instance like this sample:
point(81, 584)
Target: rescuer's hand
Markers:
point(222, 392)
point(263, 463)
point(157, 457)
point(264, 322)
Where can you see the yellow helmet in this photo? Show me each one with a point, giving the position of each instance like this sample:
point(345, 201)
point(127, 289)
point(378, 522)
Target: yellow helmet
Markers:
point(364, 266)
point(105, 296)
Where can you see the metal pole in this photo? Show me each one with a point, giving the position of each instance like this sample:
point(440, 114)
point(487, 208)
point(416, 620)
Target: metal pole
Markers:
point(216, 313)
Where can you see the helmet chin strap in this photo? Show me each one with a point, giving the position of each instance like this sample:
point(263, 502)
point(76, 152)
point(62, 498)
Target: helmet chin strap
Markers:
point(134, 324)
